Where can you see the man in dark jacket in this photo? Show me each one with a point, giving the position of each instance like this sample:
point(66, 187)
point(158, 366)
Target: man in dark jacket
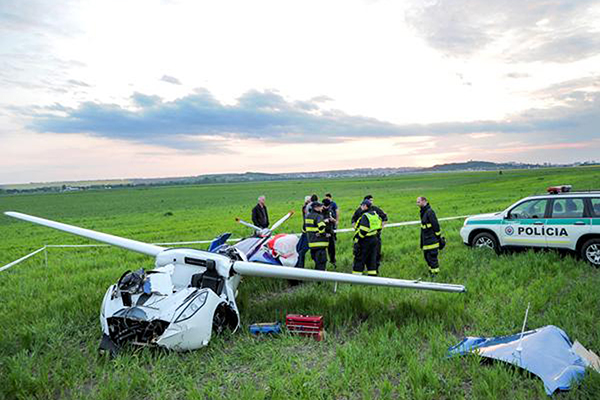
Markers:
point(330, 225)
point(260, 216)
point(314, 225)
point(359, 212)
point(365, 236)
point(431, 236)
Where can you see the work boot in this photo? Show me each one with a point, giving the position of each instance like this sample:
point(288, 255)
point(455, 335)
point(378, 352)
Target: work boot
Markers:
point(433, 272)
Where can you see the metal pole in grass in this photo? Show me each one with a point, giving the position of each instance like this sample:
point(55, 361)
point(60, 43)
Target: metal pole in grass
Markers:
point(520, 347)
point(46, 254)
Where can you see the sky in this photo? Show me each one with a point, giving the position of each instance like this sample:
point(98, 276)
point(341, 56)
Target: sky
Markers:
point(106, 89)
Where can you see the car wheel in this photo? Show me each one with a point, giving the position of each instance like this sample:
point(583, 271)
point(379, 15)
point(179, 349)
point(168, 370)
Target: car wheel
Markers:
point(486, 240)
point(590, 252)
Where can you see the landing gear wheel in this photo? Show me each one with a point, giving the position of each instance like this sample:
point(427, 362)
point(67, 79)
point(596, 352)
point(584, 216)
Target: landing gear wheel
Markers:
point(220, 319)
point(486, 240)
point(590, 252)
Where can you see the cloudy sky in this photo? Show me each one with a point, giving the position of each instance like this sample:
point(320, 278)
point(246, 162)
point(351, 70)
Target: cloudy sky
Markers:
point(152, 88)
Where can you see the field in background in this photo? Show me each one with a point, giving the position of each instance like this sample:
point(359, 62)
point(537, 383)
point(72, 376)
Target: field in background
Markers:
point(381, 343)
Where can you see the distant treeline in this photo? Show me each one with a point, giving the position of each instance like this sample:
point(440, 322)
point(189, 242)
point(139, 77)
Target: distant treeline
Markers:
point(263, 177)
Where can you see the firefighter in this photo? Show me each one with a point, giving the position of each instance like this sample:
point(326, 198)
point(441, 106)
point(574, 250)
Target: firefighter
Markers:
point(302, 246)
point(431, 236)
point(330, 224)
point(365, 236)
point(383, 217)
point(314, 225)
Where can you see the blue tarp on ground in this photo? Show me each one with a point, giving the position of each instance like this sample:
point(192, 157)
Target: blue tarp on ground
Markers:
point(545, 352)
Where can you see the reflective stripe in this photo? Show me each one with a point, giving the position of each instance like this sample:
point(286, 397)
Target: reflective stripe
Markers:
point(434, 270)
point(431, 246)
point(357, 272)
point(311, 229)
point(425, 226)
point(372, 273)
point(364, 228)
point(309, 220)
point(321, 224)
point(438, 233)
point(318, 244)
point(374, 221)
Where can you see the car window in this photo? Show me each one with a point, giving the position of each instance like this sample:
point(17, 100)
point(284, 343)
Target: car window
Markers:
point(595, 206)
point(529, 209)
point(567, 208)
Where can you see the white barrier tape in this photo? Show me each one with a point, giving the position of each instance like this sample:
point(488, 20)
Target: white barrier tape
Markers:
point(7, 266)
point(77, 245)
point(404, 223)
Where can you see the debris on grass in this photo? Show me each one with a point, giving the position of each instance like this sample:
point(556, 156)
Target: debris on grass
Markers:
point(546, 352)
point(272, 328)
point(305, 325)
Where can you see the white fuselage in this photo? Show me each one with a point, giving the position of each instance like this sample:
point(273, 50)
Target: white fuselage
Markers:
point(168, 300)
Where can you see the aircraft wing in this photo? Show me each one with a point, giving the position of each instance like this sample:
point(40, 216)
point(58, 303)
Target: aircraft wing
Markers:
point(273, 271)
point(129, 244)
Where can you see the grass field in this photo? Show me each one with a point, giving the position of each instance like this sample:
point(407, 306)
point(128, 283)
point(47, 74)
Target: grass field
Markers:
point(381, 343)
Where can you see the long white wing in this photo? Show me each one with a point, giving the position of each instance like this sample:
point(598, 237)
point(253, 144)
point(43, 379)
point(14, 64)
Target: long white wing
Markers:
point(129, 244)
point(274, 271)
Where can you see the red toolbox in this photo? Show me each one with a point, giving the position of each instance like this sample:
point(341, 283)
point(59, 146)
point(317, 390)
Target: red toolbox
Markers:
point(305, 325)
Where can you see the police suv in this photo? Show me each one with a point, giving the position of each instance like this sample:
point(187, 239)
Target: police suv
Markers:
point(560, 219)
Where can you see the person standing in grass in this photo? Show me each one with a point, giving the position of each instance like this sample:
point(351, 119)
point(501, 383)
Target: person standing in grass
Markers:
point(314, 225)
point(260, 216)
point(365, 239)
point(330, 224)
point(431, 236)
point(302, 246)
point(359, 212)
point(335, 212)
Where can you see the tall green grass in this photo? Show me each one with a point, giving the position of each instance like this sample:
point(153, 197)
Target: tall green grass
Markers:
point(381, 343)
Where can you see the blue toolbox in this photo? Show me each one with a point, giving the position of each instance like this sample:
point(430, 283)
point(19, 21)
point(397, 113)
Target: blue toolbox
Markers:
point(265, 328)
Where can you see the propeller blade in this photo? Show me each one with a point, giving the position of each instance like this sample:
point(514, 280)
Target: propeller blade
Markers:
point(249, 225)
point(281, 221)
point(129, 244)
point(274, 271)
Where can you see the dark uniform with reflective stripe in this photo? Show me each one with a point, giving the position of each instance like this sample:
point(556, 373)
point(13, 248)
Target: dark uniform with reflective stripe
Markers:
point(365, 236)
point(356, 216)
point(317, 240)
point(431, 234)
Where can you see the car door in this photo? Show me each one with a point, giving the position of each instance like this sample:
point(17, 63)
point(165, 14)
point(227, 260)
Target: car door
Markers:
point(567, 222)
point(524, 224)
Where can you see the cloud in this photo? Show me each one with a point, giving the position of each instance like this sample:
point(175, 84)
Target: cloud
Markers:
point(263, 115)
point(268, 116)
point(37, 17)
point(517, 75)
point(170, 79)
point(521, 31)
point(74, 82)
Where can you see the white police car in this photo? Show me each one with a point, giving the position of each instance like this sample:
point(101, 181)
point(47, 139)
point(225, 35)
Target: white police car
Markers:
point(560, 219)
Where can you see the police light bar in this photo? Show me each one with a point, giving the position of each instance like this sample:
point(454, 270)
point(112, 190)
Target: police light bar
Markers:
point(559, 189)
